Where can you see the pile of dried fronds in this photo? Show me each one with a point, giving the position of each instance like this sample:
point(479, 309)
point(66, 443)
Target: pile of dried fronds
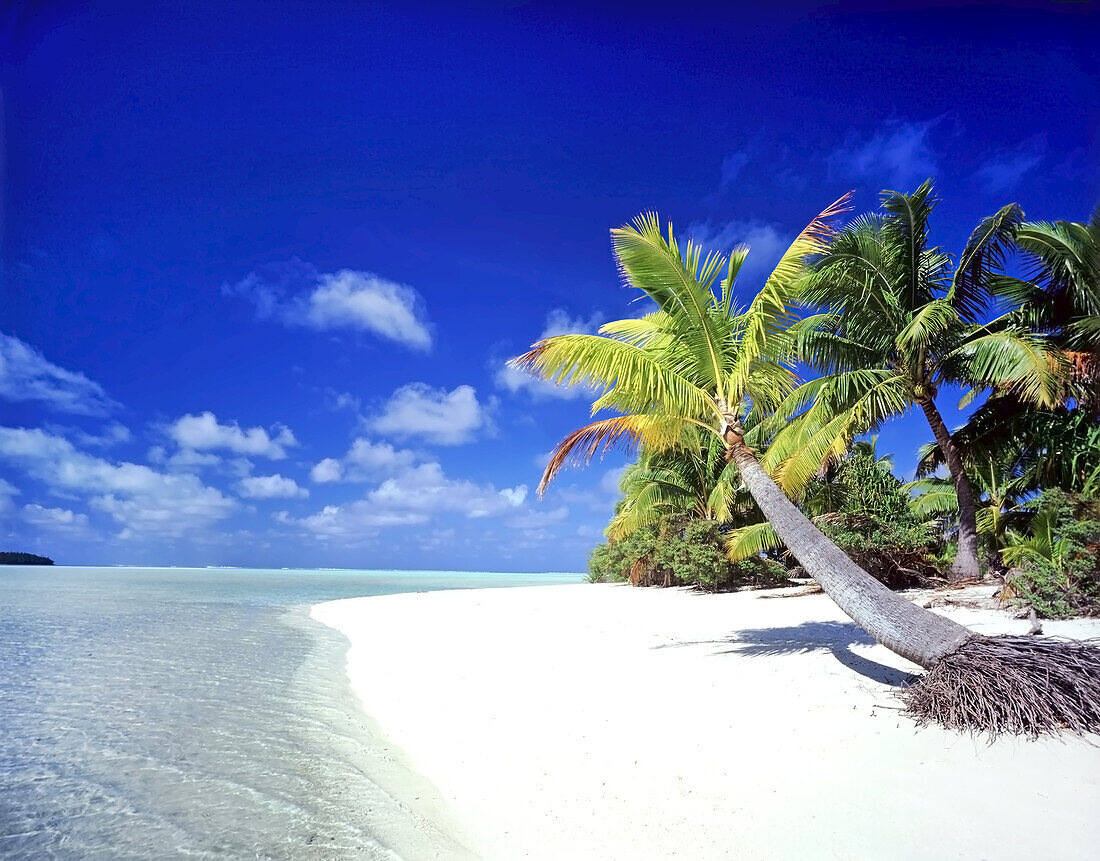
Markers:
point(1015, 685)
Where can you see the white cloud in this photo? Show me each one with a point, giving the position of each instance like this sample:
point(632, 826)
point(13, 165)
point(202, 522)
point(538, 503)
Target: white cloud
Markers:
point(367, 459)
point(766, 245)
point(271, 487)
point(203, 432)
point(296, 294)
point(328, 470)
point(898, 155)
point(364, 461)
point(558, 322)
point(138, 497)
point(55, 519)
point(436, 415)
point(414, 496)
point(609, 482)
point(26, 375)
point(110, 435)
point(1006, 168)
point(538, 519)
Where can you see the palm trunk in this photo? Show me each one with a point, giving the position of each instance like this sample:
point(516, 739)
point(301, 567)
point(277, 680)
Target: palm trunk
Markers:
point(965, 566)
point(911, 631)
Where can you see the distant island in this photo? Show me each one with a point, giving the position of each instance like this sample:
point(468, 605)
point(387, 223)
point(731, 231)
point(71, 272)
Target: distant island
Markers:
point(9, 558)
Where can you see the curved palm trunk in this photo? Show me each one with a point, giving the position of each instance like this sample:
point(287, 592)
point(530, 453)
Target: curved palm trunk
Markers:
point(965, 566)
point(911, 631)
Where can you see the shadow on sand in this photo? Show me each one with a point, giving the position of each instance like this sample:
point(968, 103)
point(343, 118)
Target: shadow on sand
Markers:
point(834, 637)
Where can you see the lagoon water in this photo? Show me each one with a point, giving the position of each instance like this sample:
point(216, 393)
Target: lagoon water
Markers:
point(199, 713)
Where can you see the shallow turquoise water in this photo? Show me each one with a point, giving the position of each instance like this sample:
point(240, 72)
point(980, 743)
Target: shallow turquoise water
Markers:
point(198, 713)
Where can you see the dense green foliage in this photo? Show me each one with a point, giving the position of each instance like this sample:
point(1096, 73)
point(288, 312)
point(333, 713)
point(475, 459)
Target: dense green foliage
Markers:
point(679, 551)
point(13, 558)
point(888, 319)
point(1057, 561)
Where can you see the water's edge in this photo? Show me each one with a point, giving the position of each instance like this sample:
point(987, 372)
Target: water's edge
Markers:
point(418, 823)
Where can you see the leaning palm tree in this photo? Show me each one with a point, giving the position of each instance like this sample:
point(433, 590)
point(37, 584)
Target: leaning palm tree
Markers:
point(699, 361)
point(898, 323)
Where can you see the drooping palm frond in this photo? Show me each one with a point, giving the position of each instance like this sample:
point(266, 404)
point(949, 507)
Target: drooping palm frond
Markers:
point(982, 258)
point(752, 540)
point(1017, 360)
point(635, 380)
point(932, 498)
point(626, 433)
point(771, 310)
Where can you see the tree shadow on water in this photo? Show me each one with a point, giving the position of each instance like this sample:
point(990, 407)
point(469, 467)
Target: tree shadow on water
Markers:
point(834, 637)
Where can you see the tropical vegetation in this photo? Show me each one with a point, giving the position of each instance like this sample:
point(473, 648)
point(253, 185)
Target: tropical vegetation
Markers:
point(742, 461)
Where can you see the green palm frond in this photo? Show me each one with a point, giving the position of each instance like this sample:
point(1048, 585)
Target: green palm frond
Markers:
point(983, 256)
point(907, 225)
point(771, 311)
point(680, 284)
point(1018, 360)
point(928, 324)
point(753, 540)
point(634, 380)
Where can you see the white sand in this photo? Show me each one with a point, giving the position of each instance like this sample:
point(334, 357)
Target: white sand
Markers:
point(605, 722)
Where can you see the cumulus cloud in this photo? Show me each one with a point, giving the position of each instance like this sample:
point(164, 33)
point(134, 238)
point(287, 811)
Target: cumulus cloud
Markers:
point(296, 294)
point(271, 487)
point(203, 432)
point(898, 155)
point(27, 375)
point(1006, 168)
point(139, 498)
point(558, 322)
point(436, 415)
point(54, 519)
point(414, 496)
point(365, 460)
point(328, 470)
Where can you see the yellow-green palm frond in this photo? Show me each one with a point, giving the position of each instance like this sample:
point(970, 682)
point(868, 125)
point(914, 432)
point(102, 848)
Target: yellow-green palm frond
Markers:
point(635, 380)
point(599, 437)
point(847, 406)
point(680, 284)
point(726, 299)
point(748, 541)
point(770, 311)
point(928, 324)
point(1019, 361)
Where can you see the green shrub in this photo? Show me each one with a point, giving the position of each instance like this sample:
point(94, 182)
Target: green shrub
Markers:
point(679, 552)
point(1058, 561)
point(899, 552)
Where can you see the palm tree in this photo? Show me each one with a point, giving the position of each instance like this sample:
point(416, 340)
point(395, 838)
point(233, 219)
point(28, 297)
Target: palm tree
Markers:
point(1000, 498)
point(698, 361)
point(899, 322)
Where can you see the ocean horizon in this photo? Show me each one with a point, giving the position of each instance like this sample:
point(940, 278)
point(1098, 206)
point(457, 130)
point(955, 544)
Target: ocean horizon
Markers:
point(199, 712)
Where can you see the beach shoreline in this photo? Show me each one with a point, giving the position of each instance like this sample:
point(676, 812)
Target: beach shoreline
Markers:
point(601, 721)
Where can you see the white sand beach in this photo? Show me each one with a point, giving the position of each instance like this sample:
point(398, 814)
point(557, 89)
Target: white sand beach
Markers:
point(605, 722)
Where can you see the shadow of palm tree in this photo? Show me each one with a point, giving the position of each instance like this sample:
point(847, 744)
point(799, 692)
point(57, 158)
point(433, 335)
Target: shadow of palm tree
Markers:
point(834, 637)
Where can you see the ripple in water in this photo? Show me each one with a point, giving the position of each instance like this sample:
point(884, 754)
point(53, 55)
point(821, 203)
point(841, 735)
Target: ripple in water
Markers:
point(152, 713)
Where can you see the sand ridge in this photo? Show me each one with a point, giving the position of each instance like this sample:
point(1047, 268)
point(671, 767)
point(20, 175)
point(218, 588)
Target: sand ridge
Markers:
point(605, 722)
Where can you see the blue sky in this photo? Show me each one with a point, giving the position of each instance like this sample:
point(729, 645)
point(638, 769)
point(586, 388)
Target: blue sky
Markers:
point(262, 268)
